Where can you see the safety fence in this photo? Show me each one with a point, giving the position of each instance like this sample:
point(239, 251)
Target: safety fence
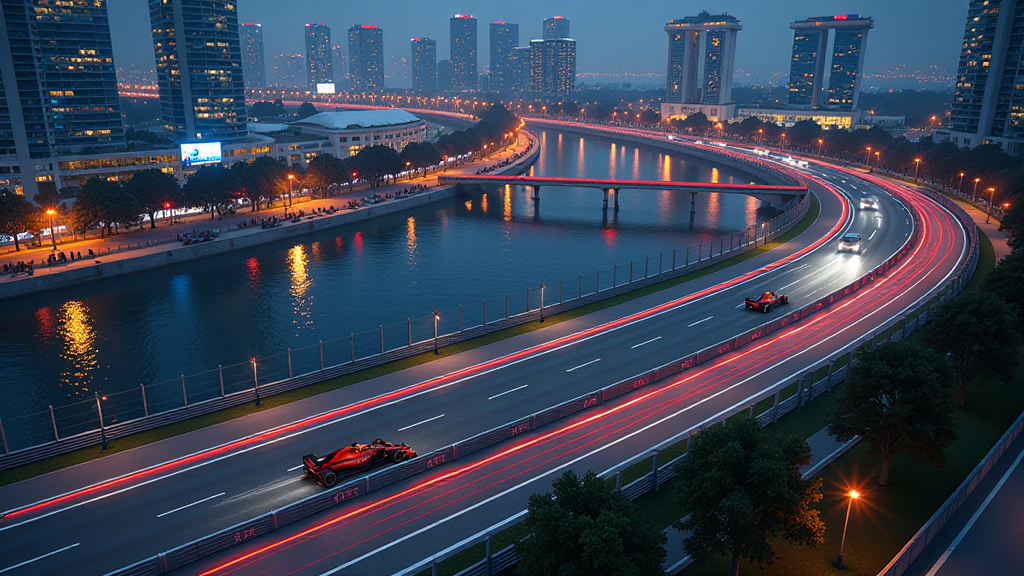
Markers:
point(70, 427)
point(895, 328)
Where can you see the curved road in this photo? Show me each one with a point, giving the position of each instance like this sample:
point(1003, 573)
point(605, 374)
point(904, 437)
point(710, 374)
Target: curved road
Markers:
point(167, 506)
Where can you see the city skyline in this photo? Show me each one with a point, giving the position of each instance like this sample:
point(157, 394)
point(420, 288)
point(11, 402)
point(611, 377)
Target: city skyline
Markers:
point(892, 47)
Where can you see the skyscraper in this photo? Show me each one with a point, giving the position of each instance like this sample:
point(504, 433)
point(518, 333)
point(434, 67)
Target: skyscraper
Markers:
point(520, 70)
point(199, 68)
point(444, 75)
point(553, 67)
point(504, 39)
point(318, 55)
point(556, 27)
point(366, 57)
point(463, 52)
point(339, 63)
point(685, 59)
point(58, 85)
point(424, 65)
point(988, 106)
point(290, 71)
point(254, 68)
point(810, 50)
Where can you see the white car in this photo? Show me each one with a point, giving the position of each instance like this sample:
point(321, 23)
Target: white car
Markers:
point(850, 242)
point(869, 203)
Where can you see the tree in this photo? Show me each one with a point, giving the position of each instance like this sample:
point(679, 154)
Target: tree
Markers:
point(101, 201)
point(325, 170)
point(375, 162)
point(47, 196)
point(261, 179)
point(980, 335)
point(15, 215)
point(897, 398)
point(741, 488)
point(211, 187)
point(584, 527)
point(1007, 282)
point(804, 134)
point(153, 189)
point(306, 110)
point(696, 123)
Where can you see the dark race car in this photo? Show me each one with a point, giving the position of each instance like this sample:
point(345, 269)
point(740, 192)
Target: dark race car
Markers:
point(765, 302)
point(354, 458)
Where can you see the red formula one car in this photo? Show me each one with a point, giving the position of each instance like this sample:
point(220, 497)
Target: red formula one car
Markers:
point(355, 458)
point(765, 302)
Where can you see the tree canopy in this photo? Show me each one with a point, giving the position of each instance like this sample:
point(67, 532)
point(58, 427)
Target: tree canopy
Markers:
point(583, 527)
point(375, 162)
point(740, 488)
point(15, 214)
point(306, 110)
point(101, 201)
point(1007, 282)
point(211, 187)
point(324, 170)
point(980, 335)
point(261, 179)
point(153, 188)
point(897, 398)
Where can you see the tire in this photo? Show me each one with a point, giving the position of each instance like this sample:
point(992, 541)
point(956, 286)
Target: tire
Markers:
point(767, 308)
point(398, 457)
point(329, 479)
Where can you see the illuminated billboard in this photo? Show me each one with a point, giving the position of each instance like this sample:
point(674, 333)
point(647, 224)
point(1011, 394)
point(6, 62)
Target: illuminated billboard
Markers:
point(325, 87)
point(200, 153)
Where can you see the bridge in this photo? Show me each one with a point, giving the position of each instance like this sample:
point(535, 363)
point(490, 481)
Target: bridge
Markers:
point(773, 194)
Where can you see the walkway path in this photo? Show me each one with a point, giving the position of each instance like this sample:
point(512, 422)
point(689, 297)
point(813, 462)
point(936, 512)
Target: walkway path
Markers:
point(136, 243)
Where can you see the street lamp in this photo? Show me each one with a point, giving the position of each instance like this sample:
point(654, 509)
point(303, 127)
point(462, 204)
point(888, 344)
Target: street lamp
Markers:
point(291, 186)
point(878, 158)
point(917, 166)
point(853, 494)
point(821, 141)
point(103, 428)
point(991, 197)
point(974, 195)
point(960, 186)
point(53, 232)
point(760, 137)
point(782, 140)
point(867, 155)
point(437, 318)
point(542, 287)
point(255, 381)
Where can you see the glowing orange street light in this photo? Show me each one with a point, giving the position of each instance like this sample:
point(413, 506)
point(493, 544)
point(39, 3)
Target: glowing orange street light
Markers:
point(867, 154)
point(853, 494)
point(991, 198)
point(821, 141)
point(437, 318)
point(960, 187)
point(917, 166)
point(53, 233)
point(974, 195)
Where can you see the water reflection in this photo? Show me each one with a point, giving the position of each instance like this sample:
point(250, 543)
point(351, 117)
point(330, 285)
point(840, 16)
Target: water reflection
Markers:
point(301, 282)
point(252, 265)
point(410, 239)
point(483, 203)
point(506, 201)
point(74, 327)
point(45, 322)
point(714, 175)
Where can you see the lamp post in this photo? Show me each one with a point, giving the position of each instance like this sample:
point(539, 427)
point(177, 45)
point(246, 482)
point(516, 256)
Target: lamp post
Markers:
point(255, 381)
point(821, 141)
point(103, 428)
point(960, 186)
point(974, 195)
point(760, 135)
point(991, 197)
point(878, 158)
point(917, 166)
point(867, 155)
point(53, 232)
point(291, 187)
point(542, 287)
point(437, 318)
point(782, 140)
point(853, 494)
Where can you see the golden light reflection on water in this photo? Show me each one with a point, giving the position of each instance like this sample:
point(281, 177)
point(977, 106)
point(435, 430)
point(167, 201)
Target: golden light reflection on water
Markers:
point(752, 204)
point(301, 281)
point(410, 235)
point(315, 248)
point(636, 163)
point(612, 162)
point(714, 210)
point(666, 168)
point(469, 204)
point(580, 161)
point(507, 204)
point(74, 327)
point(483, 203)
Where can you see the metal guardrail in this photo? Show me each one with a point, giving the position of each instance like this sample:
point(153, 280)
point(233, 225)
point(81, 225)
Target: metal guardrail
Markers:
point(230, 537)
point(64, 429)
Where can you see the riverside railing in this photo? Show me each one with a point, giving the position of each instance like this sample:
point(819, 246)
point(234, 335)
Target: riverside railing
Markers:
point(64, 428)
point(230, 537)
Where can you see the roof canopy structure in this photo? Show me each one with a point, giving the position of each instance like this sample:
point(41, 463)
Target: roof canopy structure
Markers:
point(358, 119)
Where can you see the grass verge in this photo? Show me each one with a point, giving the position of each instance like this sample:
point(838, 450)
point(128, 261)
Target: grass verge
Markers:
point(60, 461)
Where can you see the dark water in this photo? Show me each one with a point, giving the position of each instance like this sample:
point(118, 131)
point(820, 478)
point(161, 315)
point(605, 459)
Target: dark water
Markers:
point(57, 347)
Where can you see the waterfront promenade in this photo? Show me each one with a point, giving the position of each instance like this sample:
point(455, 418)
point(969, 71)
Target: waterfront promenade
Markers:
point(140, 249)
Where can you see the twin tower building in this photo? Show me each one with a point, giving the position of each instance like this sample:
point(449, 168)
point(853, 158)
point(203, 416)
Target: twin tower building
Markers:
point(828, 57)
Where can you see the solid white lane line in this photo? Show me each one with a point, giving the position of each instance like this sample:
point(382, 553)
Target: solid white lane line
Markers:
point(418, 423)
point(367, 410)
point(970, 523)
point(873, 233)
point(180, 508)
point(508, 392)
point(38, 558)
point(582, 365)
point(294, 468)
point(699, 322)
point(647, 342)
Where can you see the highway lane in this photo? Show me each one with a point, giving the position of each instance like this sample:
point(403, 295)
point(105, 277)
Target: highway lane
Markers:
point(388, 530)
point(157, 516)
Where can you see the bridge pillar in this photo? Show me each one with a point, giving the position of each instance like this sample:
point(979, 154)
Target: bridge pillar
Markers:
point(693, 203)
point(605, 203)
point(536, 193)
point(615, 192)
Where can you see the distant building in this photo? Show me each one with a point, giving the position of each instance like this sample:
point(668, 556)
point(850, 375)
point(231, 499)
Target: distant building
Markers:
point(556, 27)
point(319, 59)
point(701, 44)
point(58, 87)
point(254, 68)
point(366, 57)
point(553, 67)
point(424, 65)
point(290, 71)
point(444, 75)
point(988, 106)
point(520, 69)
point(463, 52)
point(504, 38)
point(810, 47)
point(340, 65)
point(827, 118)
point(202, 95)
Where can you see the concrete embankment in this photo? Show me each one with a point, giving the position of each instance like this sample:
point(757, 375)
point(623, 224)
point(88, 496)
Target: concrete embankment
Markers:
point(117, 264)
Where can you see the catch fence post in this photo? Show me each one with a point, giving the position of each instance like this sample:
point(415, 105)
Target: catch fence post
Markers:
point(408, 324)
point(775, 409)
point(559, 290)
point(460, 317)
point(220, 372)
point(289, 363)
point(674, 258)
point(661, 262)
point(3, 437)
point(487, 555)
point(654, 471)
point(686, 262)
point(184, 392)
point(352, 344)
point(145, 406)
point(321, 355)
point(381, 339)
point(53, 420)
point(618, 481)
point(506, 305)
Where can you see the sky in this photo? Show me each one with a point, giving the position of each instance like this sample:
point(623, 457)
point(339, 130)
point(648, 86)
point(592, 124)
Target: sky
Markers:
point(613, 37)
